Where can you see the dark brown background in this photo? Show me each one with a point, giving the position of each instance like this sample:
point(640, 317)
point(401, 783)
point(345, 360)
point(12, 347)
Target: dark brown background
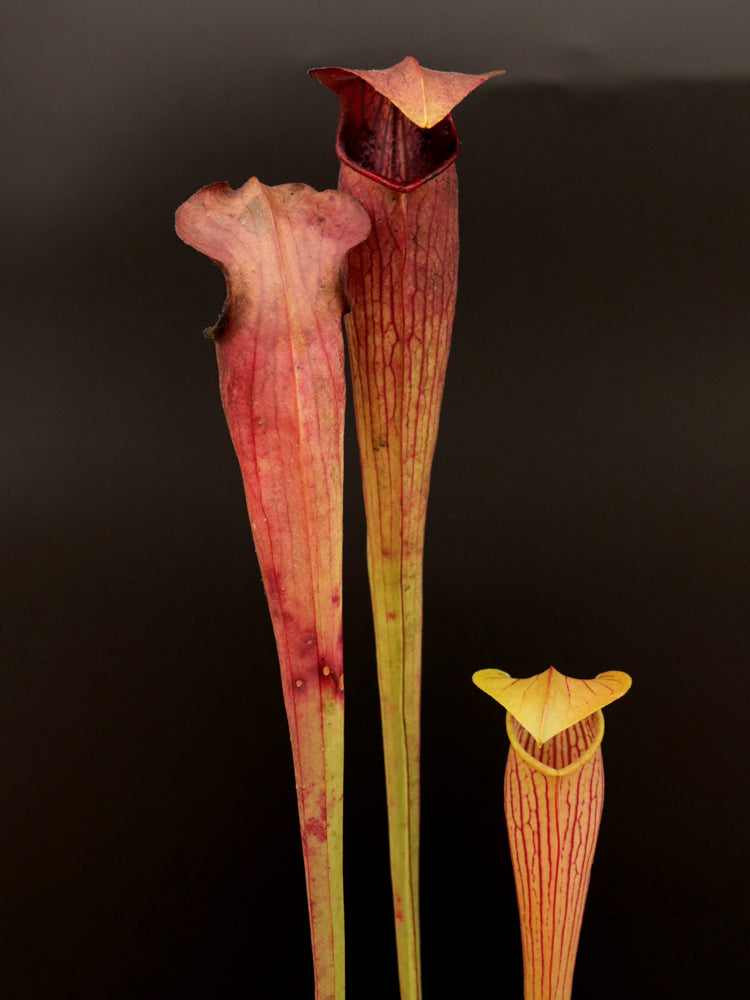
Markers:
point(589, 505)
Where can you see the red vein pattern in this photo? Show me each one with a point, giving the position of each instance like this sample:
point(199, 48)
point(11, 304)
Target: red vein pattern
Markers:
point(402, 283)
point(281, 371)
point(397, 145)
point(553, 824)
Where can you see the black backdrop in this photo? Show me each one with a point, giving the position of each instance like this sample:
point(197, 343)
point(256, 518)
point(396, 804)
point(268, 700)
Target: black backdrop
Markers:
point(589, 500)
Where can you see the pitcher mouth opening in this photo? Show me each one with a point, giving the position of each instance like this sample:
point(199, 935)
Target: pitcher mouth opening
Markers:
point(562, 754)
point(377, 140)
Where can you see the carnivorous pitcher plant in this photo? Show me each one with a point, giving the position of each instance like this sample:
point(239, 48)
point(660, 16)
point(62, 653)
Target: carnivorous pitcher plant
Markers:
point(397, 145)
point(554, 792)
point(280, 355)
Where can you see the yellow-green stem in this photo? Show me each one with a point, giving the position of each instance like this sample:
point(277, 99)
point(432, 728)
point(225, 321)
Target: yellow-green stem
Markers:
point(396, 587)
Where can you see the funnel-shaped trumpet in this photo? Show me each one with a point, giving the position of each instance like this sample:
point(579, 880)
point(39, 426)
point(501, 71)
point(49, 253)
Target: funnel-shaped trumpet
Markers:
point(398, 145)
point(281, 371)
point(554, 792)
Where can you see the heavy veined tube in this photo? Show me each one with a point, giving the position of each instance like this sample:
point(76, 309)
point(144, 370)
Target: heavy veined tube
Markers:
point(397, 145)
point(554, 793)
point(281, 371)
